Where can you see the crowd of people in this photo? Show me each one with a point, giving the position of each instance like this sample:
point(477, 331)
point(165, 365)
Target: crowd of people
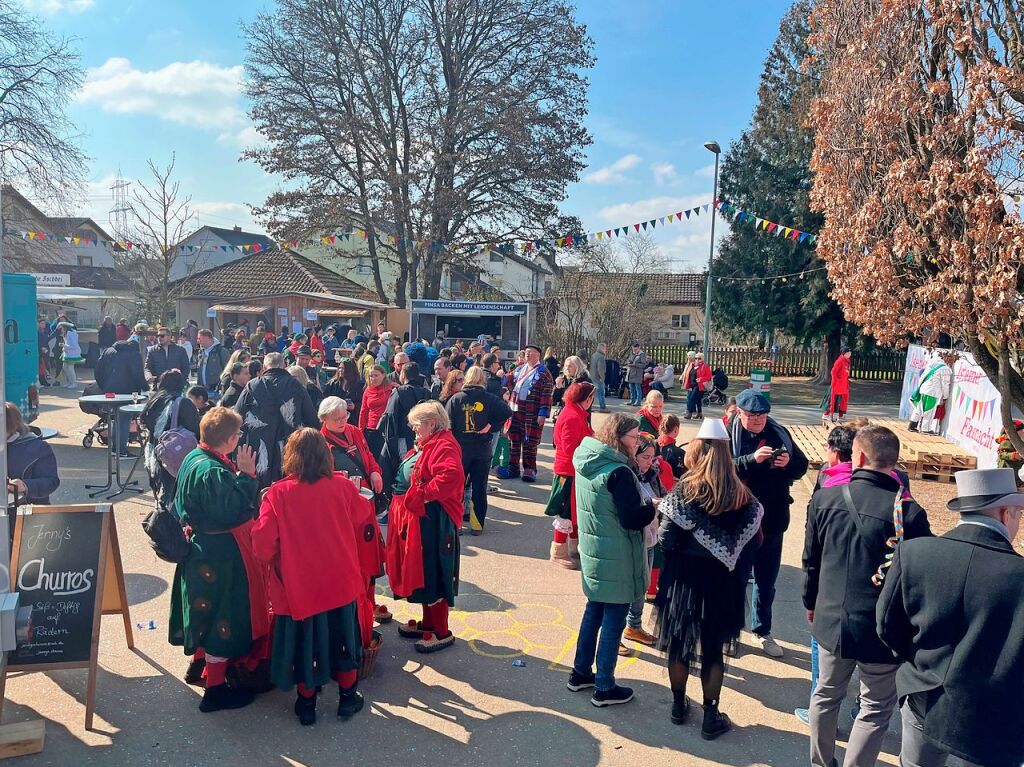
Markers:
point(305, 485)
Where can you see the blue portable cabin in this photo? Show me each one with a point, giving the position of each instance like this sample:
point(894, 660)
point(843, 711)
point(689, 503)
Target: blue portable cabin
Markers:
point(21, 348)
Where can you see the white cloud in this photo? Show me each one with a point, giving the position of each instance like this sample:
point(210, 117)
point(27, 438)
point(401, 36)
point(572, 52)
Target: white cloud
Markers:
point(245, 138)
point(664, 173)
point(613, 174)
point(225, 215)
point(187, 92)
point(53, 7)
point(653, 207)
point(708, 171)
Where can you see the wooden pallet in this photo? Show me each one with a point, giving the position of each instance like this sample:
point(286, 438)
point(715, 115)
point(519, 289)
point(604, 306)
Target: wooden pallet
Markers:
point(922, 456)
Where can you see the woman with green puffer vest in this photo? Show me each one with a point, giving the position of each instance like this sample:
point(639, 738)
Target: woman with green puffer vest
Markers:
point(611, 514)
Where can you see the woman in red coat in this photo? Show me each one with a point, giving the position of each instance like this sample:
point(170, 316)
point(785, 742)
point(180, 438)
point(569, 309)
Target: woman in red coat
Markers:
point(839, 391)
point(375, 401)
point(423, 527)
point(572, 426)
point(352, 455)
point(306, 534)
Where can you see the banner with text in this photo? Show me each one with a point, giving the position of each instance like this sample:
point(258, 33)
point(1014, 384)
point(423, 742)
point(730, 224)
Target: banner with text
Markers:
point(972, 410)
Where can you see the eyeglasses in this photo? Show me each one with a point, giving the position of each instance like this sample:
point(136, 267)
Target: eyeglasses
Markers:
point(459, 380)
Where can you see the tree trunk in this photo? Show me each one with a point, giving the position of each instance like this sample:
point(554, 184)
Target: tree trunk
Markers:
point(829, 352)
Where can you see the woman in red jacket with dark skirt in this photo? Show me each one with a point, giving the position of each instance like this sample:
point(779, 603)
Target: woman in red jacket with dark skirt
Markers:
point(375, 401)
point(423, 527)
point(306, 534)
point(572, 426)
point(352, 455)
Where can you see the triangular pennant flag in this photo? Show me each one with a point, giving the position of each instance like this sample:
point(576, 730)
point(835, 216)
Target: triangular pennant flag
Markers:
point(637, 226)
point(688, 215)
point(772, 226)
point(75, 240)
point(786, 231)
point(608, 233)
point(653, 223)
point(803, 236)
point(569, 241)
point(759, 222)
point(257, 247)
point(644, 225)
point(679, 215)
point(662, 220)
point(600, 236)
point(669, 217)
point(705, 208)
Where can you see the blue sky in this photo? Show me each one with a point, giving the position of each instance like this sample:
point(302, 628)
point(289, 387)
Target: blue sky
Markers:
point(165, 76)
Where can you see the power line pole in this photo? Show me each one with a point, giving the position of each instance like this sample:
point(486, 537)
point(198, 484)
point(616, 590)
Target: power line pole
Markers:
point(122, 208)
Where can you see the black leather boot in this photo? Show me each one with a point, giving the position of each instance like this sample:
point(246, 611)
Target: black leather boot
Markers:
point(680, 707)
point(715, 722)
point(350, 703)
point(305, 709)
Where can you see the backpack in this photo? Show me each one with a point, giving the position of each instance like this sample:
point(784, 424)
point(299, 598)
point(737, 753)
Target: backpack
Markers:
point(174, 444)
point(166, 537)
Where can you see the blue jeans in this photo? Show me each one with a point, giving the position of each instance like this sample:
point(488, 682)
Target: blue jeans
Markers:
point(635, 616)
point(610, 620)
point(694, 401)
point(600, 395)
point(636, 393)
point(124, 425)
point(767, 562)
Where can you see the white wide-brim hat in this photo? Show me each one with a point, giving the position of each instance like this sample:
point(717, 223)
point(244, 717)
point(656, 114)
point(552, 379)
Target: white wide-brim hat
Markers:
point(713, 428)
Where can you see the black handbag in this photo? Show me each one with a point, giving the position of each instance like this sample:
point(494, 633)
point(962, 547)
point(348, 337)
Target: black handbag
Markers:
point(166, 537)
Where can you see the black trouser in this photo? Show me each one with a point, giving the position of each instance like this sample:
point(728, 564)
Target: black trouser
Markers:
point(476, 462)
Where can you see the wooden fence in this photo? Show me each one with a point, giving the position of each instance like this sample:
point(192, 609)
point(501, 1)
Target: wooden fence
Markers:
point(878, 365)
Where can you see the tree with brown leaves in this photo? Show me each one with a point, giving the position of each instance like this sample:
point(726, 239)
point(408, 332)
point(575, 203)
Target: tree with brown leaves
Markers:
point(919, 147)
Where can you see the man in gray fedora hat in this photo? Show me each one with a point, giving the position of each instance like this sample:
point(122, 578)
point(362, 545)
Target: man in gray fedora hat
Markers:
point(952, 609)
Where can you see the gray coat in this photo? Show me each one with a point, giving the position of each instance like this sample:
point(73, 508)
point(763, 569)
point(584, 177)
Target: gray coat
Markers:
point(635, 365)
point(597, 367)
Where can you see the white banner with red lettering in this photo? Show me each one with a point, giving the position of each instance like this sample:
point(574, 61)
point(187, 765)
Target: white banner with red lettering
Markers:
point(972, 411)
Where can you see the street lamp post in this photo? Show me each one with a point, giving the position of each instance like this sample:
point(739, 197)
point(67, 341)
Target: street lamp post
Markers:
point(714, 148)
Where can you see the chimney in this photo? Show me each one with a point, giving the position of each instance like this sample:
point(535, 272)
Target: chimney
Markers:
point(236, 228)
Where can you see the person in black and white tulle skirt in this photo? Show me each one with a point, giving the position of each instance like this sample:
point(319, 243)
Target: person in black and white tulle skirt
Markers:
point(710, 523)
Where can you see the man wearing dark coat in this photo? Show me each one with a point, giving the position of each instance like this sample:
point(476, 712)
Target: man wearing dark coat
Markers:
point(394, 424)
point(850, 530)
point(769, 462)
point(272, 407)
point(952, 609)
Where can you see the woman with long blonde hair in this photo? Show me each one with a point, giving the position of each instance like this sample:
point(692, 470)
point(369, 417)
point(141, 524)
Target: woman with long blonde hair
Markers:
point(710, 523)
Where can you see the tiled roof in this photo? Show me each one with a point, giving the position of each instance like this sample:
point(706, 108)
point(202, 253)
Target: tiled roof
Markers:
point(231, 237)
point(96, 277)
point(269, 273)
point(685, 288)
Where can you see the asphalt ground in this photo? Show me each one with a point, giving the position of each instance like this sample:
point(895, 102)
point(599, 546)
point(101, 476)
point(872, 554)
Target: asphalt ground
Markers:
point(469, 705)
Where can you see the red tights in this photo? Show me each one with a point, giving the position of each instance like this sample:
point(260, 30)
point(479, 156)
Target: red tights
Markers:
point(435, 618)
point(346, 681)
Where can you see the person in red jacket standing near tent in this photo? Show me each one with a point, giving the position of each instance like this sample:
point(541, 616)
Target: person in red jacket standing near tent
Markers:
point(839, 390)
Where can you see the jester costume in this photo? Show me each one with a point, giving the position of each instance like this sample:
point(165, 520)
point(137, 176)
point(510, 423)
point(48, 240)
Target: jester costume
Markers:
point(927, 399)
point(531, 399)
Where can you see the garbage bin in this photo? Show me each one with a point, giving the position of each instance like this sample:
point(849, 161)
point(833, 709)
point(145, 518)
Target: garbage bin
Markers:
point(761, 381)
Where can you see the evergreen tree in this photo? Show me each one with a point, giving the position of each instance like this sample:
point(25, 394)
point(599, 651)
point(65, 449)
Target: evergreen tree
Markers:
point(767, 172)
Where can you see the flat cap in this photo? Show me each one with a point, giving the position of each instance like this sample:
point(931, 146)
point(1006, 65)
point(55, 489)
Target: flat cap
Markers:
point(753, 402)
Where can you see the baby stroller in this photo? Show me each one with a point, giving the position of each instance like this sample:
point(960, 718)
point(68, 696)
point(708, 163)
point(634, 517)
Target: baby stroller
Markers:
point(719, 383)
point(100, 430)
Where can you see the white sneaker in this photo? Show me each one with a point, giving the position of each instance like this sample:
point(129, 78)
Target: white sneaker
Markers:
point(771, 647)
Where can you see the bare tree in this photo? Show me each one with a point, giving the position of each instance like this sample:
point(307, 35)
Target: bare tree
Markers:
point(39, 75)
point(451, 124)
point(603, 295)
point(161, 217)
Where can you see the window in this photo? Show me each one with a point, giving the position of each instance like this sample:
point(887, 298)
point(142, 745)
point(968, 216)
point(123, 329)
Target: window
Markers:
point(85, 260)
point(496, 258)
point(363, 265)
point(680, 320)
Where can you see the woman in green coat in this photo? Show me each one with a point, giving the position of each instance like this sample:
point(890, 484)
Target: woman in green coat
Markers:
point(219, 596)
point(611, 513)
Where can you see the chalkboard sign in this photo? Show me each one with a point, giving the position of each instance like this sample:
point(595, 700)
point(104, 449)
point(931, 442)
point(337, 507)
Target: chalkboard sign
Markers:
point(66, 566)
point(57, 575)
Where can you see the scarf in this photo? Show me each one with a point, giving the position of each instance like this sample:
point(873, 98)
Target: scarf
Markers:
point(654, 420)
point(350, 448)
point(736, 434)
point(723, 544)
